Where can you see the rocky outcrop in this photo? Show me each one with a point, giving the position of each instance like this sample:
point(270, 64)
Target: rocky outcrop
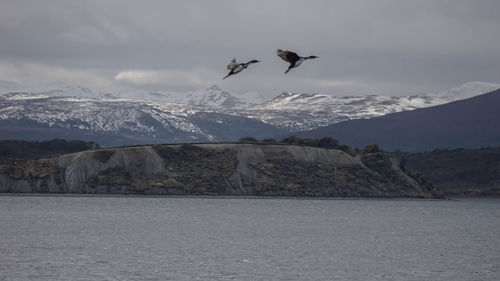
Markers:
point(215, 169)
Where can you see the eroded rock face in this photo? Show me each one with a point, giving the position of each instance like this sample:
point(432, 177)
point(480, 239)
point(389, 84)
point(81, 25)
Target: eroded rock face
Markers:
point(215, 169)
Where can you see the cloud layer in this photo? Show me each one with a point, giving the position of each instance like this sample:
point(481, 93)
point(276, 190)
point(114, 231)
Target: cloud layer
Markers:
point(391, 47)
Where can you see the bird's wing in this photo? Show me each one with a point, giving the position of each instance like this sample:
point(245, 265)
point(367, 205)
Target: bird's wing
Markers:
point(288, 56)
point(292, 57)
point(232, 64)
point(281, 54)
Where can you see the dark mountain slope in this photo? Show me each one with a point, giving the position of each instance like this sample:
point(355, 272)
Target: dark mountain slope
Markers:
point(469, 123)
point(462, 172)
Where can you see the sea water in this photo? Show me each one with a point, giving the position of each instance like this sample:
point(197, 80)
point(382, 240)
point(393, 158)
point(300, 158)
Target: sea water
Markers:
point(162, 238)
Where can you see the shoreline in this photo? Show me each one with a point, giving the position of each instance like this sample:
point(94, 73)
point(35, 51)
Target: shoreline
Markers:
point(226, 197)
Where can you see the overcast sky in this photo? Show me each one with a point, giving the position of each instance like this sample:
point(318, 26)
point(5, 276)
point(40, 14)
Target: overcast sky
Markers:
point(364, 47)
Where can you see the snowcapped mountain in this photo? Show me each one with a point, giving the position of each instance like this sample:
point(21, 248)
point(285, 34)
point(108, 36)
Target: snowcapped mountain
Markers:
point(252, 98)
point(119, 121)
point(212, 96)
point(9, 86)
point(468, 123)
point(70, 91)
point(211, 114)
point(467, 90)
point(299, 112)
point(52, 90)
point(351, 106)
point(372, 104)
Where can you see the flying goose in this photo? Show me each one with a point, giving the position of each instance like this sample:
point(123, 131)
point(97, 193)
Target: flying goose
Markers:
point(291, 57)
point(235, 67)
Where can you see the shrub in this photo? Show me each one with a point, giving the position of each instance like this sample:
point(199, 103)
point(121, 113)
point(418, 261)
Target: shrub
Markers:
point(402, 164)
point(371, 148)
point(327, 142)
point(248, 139)
point(289, 140)
point(298, 141)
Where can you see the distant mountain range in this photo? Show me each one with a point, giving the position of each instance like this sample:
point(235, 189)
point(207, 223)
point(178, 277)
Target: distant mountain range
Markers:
point(469, 123)
point(212, 96)
point(118, 122)
point(211, 114)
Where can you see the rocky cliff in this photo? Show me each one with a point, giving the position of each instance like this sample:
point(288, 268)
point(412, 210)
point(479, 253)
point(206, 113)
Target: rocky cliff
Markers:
point(215, 169)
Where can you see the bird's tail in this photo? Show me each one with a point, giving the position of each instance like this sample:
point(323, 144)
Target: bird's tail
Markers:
point(252, 61)
point(226, 76)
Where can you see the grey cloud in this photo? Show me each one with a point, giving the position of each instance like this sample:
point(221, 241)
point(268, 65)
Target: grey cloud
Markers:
point(399, 47)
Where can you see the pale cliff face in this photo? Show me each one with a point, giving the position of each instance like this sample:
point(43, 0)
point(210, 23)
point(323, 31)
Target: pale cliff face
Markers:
point(215, 169)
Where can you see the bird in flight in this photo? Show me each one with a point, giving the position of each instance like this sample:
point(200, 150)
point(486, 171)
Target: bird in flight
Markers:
point(235, 67)
point(292, 58)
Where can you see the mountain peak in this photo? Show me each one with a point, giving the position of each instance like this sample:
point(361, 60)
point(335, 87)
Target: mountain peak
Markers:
point(10, 86)
point(283, 95)
point(468, 90)
point(70, 90)
point(214, 88)
point(213, 96)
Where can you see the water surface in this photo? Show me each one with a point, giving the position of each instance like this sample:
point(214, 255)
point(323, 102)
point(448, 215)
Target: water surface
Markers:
point(141, 238)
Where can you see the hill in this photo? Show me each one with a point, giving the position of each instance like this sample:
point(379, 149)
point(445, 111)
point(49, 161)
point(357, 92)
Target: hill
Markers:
point(463, 172)
point(470, 123)
point(216, 169)
point(38, 149)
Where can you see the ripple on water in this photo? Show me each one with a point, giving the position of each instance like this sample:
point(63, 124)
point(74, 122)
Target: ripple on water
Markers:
point(141, 238)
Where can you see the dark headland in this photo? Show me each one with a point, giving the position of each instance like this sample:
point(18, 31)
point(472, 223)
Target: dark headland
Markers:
point(217, 169)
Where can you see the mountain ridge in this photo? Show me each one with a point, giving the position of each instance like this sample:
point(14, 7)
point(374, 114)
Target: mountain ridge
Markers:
point(469, 123)
point(209, 115)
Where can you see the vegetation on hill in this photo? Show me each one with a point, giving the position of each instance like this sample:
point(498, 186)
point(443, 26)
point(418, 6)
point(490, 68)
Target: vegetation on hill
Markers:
point(464, 172)
point(215, 169)
point(460, 171)
point(325, 142)
point(36, 149)
point(201, 168)
point(371, 155)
